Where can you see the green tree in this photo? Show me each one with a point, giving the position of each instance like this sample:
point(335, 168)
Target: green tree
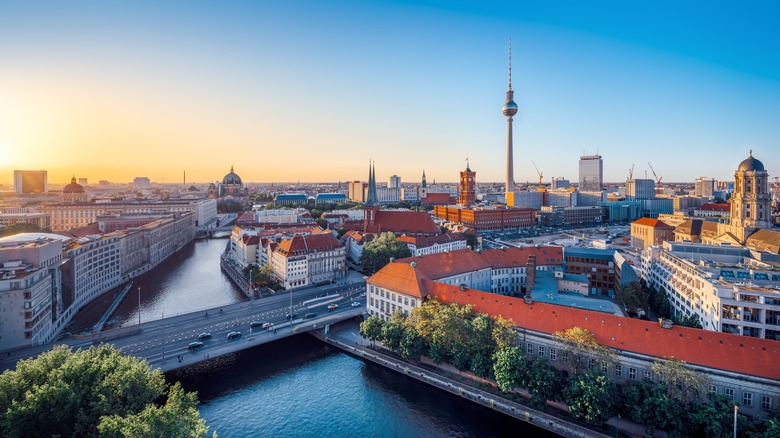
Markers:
point(371, 328)
point(544, 382)
point(580, 346)
point(591, 396)
point(393, 331)
point(378, 252)
point(632, 295)
point(472, 240)
point(62, 393)
point(412, 345)
point(660, 302)
point(691, 321)
point(504, 335)
point(681, 382)
point(179, 417)
point(508, 368)
point(713, 419)
point(649, 403)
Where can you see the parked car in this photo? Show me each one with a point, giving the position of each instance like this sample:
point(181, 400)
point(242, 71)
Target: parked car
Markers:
point(362, 294)
point(268, 325)
point(255, 323)
point(310, 315)
point(356, 304)
point(203, 336)
point(234, 335)
point(290, 316)
point(195, 345)
point(333, 307)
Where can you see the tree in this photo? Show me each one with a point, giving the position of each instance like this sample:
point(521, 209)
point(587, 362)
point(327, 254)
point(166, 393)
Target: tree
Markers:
point(412, 345)
point(393, 331)
point(472, 240)
point(503, 334)
point(632, 295)
point(712, 419)
point(649, 403)
point(691, 321)
point(544, 382)
point(378, 252)
point(660, 302)
point(508, 368)
point(591, 396)
point(371, 328)
point(580, 347)
point(681, 382)
point(179, 417)
point(62, 393)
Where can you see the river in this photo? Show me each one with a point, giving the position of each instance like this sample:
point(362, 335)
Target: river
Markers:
point(298, 387)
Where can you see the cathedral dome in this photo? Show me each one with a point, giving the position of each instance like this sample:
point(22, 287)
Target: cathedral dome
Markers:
point(231, 178)
point(751, 164)
point(73, 187)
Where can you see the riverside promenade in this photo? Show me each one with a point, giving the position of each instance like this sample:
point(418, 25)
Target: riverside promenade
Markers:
point(346, 337)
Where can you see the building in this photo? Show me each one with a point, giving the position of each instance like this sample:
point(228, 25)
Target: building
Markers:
point(559, 183)
point(637, 189)
point(330, 198)
point(41, 220)
point(74, 192)
point(291, 199)
point(751, 202)
point(487, 218)
point(710, 210)
point(281, 216)
point(621, 211)
point(704, 187)
point(141, 183)
point(357, 191)
point(570, 216)
point(655, 207)
point(30, 181)
point(308, 260)
point(424, 245)
point(509, 110)
point(468, 192)
point(232, 185)
point(597, 264)
point(646, 231)
point(731, 289)
point(591, 173)
point(590, 197)
point(687, 203)
point(29, 280)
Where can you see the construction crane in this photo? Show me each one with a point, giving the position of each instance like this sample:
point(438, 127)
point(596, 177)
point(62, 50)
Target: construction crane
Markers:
point(631, 172)
point(655, 175)
point(540, 174)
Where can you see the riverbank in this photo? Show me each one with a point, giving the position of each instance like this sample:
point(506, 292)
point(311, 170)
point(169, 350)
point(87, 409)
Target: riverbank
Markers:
point(346, 338)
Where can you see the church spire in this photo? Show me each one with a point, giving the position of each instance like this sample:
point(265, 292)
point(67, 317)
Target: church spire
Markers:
point(371, 198)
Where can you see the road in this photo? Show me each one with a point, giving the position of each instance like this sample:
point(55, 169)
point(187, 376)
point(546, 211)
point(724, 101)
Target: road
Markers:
point(164, 343)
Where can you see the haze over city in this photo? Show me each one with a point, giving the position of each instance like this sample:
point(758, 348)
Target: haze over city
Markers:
point(311, 91)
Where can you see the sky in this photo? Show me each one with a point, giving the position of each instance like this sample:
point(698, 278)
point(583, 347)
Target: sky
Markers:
point(313, 90)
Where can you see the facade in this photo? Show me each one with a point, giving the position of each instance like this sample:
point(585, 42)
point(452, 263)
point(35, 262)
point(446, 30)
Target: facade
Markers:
point(30, 181)
point(291, 199)
point(591, 173)
point(559, 183)
point(232, 185)
point(729, 289)
point(357, 191)
point(597, 264)
point(141, 183)
point(487, 218)
point(68, 216)
point(640, 189)
point(585, 197)
point(424, 245)
point(704, 187)
point(570, 216)
point(74, 192)
point(330, 198)
point(687, 203)
point(646, 231)
point(29, 280)
point(40, 220)
point(751, 202)
point(621, 211)
point(710, 210)
point(307, 260)
point(280, 216)
point(468, 192)
point(529, 199)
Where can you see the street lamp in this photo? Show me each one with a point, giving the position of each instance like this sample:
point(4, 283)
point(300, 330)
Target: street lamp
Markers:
point(139, 305)
point(736, 409)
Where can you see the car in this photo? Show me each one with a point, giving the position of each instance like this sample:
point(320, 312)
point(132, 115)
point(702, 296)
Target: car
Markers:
point(356, 304)
point(195, 345)
point(268, 325)
point(290, 316)
point(333, 307)
point(204, 335)
point(255, 323)
point(234, 335)
point(310, 315)
point(362, 294)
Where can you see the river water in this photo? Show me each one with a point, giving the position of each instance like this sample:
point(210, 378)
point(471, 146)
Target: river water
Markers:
point(299, 386)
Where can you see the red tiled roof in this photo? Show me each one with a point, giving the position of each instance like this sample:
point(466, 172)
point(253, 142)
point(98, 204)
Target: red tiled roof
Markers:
point(250, 240)
point(438, 198)
point(89, 230)
point(246, 217)
point(425, 241)
point(655, 223)
point(764, 240)
point(400, 222)
point(715, 207)
point(301, 245)
point(734, 353)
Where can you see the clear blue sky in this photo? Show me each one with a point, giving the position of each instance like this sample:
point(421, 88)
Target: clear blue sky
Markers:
point(311, 90)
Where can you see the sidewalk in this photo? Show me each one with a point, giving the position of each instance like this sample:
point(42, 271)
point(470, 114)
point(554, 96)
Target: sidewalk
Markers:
point(348, 333)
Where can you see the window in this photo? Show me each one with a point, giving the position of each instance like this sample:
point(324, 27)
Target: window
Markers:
point(766, 402)
point(529, 348)
point(647, 375)
point(747, 398)
point(729, 393)
point(618, 370)
point(632, 373)
point(553, 354)
point(591, 363)
point(540, 350)
point(604, 367)
point(712, 389)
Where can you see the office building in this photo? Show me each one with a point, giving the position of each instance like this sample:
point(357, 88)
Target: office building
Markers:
point(559, 183)
point(638, 189)
point(30, 181)
point(704, 187)
point(591, 173)
point(141, 183)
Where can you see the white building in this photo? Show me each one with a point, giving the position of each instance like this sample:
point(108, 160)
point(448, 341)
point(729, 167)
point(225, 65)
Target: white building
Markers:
point(308, 260)
point(280, 215)
point(65, 217)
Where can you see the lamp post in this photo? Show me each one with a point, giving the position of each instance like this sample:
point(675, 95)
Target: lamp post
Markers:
point(139, 305)
point(736, 409)
point(163, 337)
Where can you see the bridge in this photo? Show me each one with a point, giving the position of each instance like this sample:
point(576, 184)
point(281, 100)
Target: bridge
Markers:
point(165, 343)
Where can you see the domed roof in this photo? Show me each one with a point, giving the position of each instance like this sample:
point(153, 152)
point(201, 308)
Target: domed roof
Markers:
point(750, 164)
point(73, 187)
point(231, 178)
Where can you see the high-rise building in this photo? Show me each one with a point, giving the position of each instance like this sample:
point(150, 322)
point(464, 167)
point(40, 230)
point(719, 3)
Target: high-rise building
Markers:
point(559, 183)
point(83, 181)
point(704, 187)
point(394, 182)
point(141, 183)
point(509, 109)
point(591, 173)
point(468, 193)
point(30, 181)
point(357, 191)
point(640, 189)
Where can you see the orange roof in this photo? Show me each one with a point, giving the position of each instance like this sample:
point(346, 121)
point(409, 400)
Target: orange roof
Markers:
point(655, 223)
point(302, 245)
point(425, 241)
point(400, 277)
point(400, 222)
point(246, 217)
point(734, 353)
point(715, 207)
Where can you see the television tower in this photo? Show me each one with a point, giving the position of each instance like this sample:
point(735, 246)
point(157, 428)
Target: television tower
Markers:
point(509, 109)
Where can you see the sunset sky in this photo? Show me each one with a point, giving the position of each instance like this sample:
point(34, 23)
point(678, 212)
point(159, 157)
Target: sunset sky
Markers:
point(312, 90)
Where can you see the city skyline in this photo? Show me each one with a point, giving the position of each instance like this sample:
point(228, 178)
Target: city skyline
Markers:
point(114, 91)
